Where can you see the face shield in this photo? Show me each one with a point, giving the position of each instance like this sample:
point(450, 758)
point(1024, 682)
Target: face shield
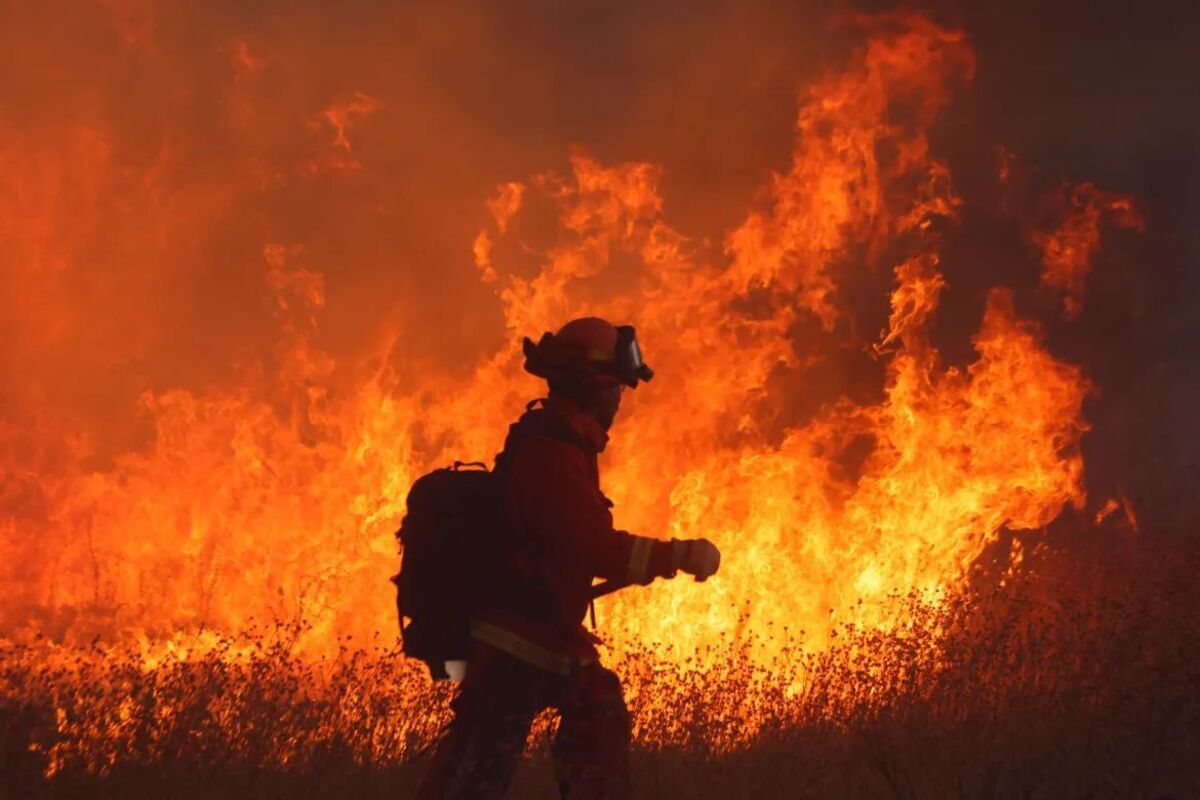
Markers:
point(628, 366)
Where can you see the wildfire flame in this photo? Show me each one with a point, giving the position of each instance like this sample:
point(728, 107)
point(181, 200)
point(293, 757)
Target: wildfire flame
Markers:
point(277, 498)
point(1068, 249)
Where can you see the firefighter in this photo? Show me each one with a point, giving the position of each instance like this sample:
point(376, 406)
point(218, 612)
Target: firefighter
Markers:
point(530, 649)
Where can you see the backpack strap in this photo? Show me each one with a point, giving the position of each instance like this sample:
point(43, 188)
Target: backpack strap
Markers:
point(547, 427)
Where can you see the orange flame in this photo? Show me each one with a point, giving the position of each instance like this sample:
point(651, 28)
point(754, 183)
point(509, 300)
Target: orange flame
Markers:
point(277, 499)
point(339, 117)
point(1068, 249)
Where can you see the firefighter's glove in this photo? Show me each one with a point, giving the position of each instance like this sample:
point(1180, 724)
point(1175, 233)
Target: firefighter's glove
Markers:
point(698, 557)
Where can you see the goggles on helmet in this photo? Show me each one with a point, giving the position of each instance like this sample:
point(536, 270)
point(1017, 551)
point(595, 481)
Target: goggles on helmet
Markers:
point(628, 366)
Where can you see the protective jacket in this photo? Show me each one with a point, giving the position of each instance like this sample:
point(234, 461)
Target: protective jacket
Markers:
point(563, 525)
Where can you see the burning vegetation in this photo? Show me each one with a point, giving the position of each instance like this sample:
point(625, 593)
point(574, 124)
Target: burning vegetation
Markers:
point(200, 587)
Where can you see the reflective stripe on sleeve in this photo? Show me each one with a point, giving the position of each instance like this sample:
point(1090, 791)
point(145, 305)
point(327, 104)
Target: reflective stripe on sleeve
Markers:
point(639, 560)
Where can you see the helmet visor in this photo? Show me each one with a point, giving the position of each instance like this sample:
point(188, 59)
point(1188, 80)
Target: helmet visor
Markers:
point(628, 365)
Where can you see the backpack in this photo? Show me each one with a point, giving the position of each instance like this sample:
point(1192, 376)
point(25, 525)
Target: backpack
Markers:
point(452, 540)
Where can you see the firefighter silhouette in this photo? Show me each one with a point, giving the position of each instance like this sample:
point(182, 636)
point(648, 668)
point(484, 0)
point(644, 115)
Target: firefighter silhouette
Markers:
point(530, 650)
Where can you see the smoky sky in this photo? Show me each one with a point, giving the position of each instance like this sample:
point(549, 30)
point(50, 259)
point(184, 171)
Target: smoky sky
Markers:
point(1110, 92)
point(470, 94)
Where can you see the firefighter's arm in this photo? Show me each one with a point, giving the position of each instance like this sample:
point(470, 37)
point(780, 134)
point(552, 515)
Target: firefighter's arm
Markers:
point(553, 488)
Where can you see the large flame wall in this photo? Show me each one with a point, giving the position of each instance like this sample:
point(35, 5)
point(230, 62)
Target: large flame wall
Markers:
point(192, 263)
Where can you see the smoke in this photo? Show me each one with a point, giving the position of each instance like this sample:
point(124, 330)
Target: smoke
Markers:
point(1107, 94)
point(151, 151)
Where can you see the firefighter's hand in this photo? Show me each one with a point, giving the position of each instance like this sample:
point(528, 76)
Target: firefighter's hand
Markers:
point(698, 557)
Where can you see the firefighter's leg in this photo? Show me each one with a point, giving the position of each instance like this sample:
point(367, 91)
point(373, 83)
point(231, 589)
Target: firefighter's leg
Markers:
point(480, 748)
point(591, 750)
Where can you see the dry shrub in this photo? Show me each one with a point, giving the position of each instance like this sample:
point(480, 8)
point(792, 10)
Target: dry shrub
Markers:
point(994, 696)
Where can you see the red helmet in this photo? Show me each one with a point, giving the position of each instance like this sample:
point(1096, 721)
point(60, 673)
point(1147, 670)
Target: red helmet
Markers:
point(588, 349)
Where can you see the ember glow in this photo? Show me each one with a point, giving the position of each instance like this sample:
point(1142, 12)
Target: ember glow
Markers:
point(272, 495)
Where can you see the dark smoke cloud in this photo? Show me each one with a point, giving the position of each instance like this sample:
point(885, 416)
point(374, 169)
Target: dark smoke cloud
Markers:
point(1108, 92)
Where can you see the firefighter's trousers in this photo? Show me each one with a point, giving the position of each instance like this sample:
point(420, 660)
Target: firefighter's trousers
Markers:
point(493, 712)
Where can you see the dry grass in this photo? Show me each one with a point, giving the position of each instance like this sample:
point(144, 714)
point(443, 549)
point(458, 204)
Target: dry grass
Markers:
point(1020, 698)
